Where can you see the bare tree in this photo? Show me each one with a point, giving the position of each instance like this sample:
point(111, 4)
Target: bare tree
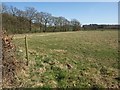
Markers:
point(46, 20)
point(13, 10)
point(62, 23)
point(39, 19)
point(75, 24)
point(23, 21)
point(5, 9)
point(66, 24)
point(55, 23)
point(30, 15)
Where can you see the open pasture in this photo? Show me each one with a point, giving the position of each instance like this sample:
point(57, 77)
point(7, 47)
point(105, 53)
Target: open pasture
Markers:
point(70, 59)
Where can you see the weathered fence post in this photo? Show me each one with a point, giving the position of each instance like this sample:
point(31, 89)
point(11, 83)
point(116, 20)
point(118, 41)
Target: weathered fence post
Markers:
point(26, 49)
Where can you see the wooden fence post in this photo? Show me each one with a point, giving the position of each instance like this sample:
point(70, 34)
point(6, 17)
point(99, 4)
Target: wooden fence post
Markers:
point(26, 49)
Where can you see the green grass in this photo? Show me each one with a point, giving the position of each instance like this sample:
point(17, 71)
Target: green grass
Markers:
point(81, 59)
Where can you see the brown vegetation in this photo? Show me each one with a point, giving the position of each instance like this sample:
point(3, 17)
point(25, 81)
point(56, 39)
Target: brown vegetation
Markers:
point(10, 65)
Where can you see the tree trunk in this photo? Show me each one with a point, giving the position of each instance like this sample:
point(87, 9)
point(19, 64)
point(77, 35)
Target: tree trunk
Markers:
point(40, 27)
point(30, 25)
point(45, 27)
point(54, 29)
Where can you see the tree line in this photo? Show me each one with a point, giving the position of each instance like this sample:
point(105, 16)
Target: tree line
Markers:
point(30, 20)
point(102, 26)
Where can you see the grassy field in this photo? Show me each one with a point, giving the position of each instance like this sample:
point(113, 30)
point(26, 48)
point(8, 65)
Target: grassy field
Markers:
point(80, 59)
